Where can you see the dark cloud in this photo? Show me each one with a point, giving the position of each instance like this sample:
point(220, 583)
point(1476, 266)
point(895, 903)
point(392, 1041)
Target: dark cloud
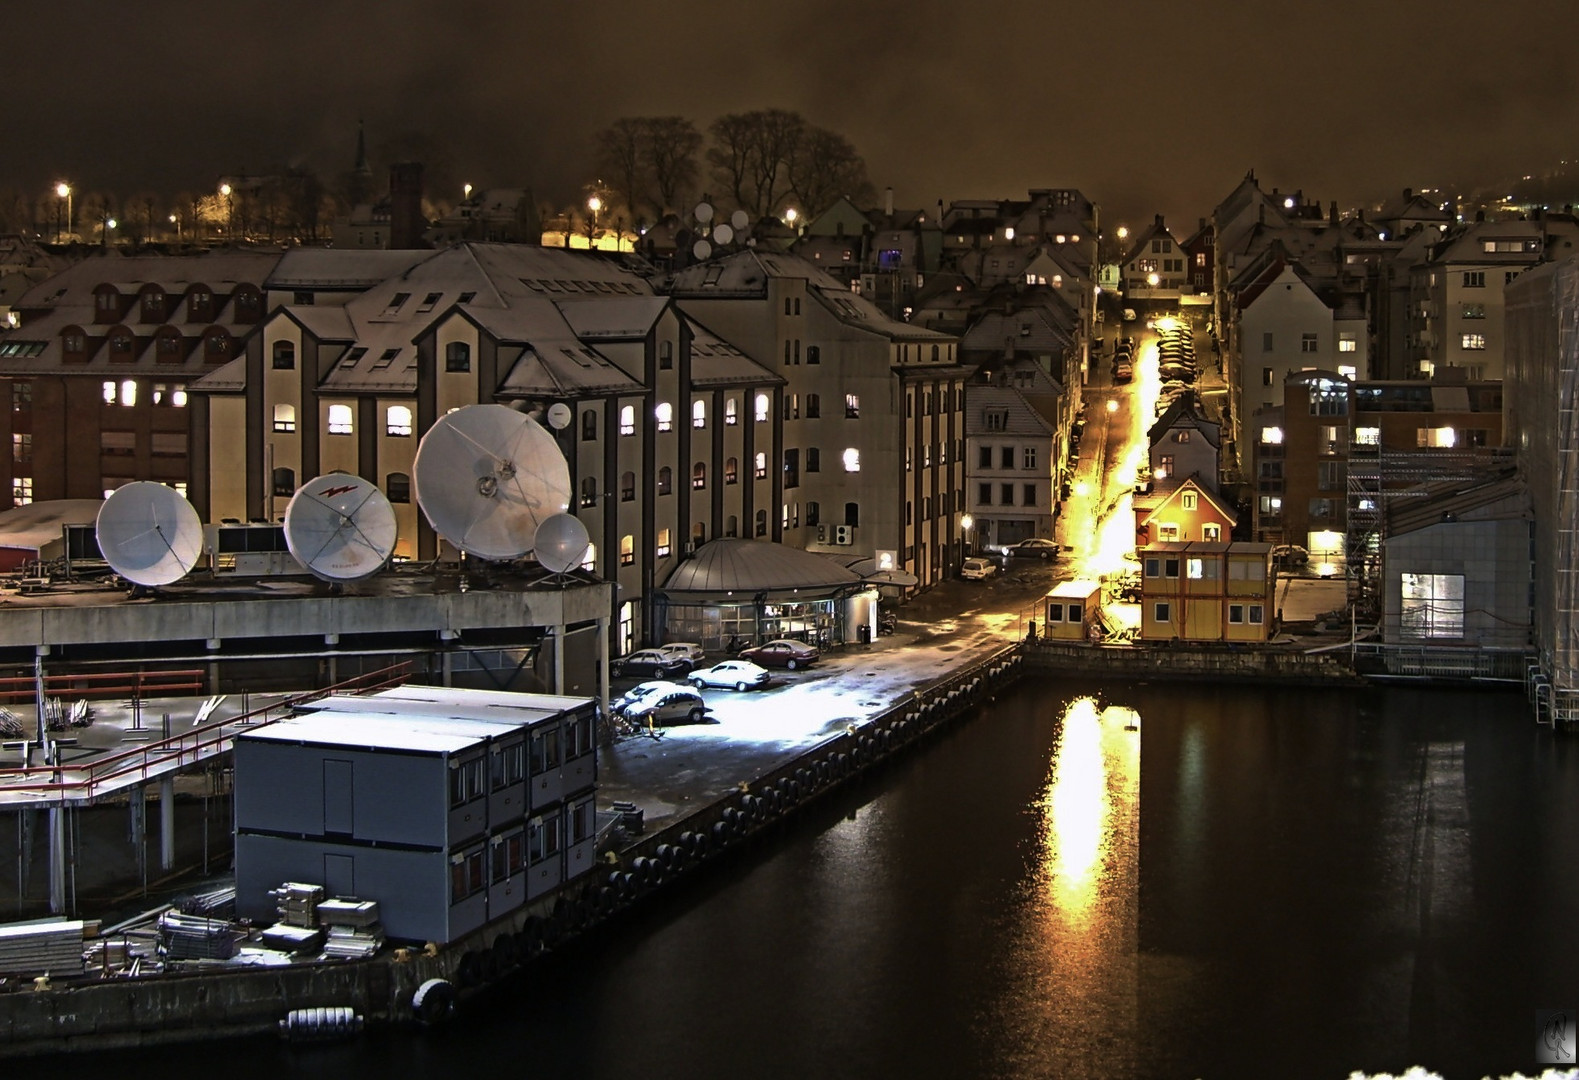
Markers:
point(1145, 105)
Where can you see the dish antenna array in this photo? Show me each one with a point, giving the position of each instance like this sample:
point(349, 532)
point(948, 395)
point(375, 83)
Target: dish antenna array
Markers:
point(340, 527)
point(487, 477)
point(149, 534)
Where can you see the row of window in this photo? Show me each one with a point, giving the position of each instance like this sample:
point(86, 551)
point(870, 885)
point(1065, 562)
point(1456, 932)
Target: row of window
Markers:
point(1162, 612)
point(125, 393)
point(1476, 279)
point(1028, 495)
point(512, 852)
point(1006, 457)
point(1330, 438)
point(1310, 343)
point(1202, 569)
point(851, 460)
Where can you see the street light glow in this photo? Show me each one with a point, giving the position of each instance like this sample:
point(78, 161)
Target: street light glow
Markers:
point(62, 189)
point(594, 204)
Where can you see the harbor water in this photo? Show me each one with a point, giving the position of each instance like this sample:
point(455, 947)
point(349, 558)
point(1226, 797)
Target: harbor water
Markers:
point(1084, 879)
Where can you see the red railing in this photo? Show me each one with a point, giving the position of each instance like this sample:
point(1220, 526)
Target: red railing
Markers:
point(127, 684)
point(91, 779)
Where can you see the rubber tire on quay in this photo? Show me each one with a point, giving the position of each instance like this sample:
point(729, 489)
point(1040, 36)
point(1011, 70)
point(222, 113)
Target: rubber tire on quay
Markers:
point(469, 971)
point(434, 1003)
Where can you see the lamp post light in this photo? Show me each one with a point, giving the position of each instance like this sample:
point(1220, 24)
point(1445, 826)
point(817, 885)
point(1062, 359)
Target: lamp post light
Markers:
point(230, 213)
point(63, 190)
point(175, 219)
point(466, 192)
point(966, 523)
point(594, 204)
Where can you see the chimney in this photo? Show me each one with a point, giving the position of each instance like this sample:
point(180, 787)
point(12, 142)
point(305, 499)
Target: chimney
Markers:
point(888, 201)
point(1409, 193)
point(406, 223)
point(1159, 221)
point(1334, 211)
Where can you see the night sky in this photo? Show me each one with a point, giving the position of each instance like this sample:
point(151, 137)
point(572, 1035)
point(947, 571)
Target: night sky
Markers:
point(1145, 106)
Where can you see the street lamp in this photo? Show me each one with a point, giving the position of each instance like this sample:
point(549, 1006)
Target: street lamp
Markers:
point(63, 190)
point(466, 191)
point(965, 523)
point(176, 221)
point(594, 204)
point(230, 212)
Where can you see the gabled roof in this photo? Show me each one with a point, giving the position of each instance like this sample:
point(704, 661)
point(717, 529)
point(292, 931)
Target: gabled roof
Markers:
point(1190, 484)
point(1185, 412)
point(1017, 416)
point(715, 362)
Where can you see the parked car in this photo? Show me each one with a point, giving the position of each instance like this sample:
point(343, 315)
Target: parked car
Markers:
point(668, 707)
point(740, 675)
point(641, 690)
point(1123, 372)
point(977, 569)
point(1035, 547)
point(782, 653)
point(649, 662)
point(684, 650)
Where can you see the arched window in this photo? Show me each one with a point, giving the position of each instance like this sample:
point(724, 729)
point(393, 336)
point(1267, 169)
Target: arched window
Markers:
point(628, 420)
point(628, 487)
point(397, 421)
point(699, 475)
point(627, 550)
point(762, 408)
point(284, 356)
point(813, 513)
point(589, 491)
point(813, 406)
point(129, 392)
point(852, 459)
point(665, 480)
point(759, 467)
point(589, 426)
point(699, 414)
point(731, 470)
point(665, 415)
point(813, 354)
point(285, 418)
point(589, 561)
point(397, 486)
point(457, 356)
point(731, 526)
point(284, 481)
point(731, 412)
point(762, 522)
point(340, 420)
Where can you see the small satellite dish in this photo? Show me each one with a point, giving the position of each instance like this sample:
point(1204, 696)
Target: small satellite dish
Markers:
point(740, 219)
point(723, 233)
point(559, 416)
point(704, 213)
point(340, 527)
point(561, 543)
point(701, 249)
point(486, 478)
point(149, 534)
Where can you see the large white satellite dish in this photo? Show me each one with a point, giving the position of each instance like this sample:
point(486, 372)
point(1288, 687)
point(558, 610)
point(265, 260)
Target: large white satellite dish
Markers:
point(561, 543)
point(559, 416)
point(341, 527)
point(740, 219)
point(149, 534)
point(487, 477)
point(723, 234)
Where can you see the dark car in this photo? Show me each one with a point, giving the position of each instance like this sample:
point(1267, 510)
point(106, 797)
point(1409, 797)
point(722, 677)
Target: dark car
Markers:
point(649, 663)
point(1035, 548)
point(782, 653)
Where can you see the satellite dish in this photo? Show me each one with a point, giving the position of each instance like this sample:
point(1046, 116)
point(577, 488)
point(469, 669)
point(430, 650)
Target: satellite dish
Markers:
point(149, 534)
point(701, 249)
point(740, 219)
point(341, 527)
point(559, 416)
point(723, 233)
point(561, 543)
point(487, 477)
point(704, 213)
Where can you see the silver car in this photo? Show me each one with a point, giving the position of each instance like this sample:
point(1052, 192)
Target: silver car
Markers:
point(680, 705)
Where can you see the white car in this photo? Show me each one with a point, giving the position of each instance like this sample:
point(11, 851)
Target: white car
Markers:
point(977, 569)
point(641, 690)
point(683, 650)
point(740, 675)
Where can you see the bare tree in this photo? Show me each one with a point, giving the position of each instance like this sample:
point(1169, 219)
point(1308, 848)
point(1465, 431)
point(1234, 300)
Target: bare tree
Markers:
point(621, 161)
point(672, 145)
point(16, 211)
point(823, 166)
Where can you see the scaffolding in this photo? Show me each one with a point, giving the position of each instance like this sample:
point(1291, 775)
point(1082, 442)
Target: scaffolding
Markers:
point(1377, 479)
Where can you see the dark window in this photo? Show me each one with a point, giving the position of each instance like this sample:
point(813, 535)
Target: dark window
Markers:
point(852, 513)
point(397, 486)
point(589, 426)
point(813, 459)
point(813, 407)
point(813, 354)
point(984, 458)
point(284, 356)
point(1006, 457)
point(731, 471)
point(284, 481)
point(628, 487)
point(984, 494)
point(813, 513)
point(762, 523)
point(665, 480)
point(791, 468)
point(457, 356)
point(666, 355)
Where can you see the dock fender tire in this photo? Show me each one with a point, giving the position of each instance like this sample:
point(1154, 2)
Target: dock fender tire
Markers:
point(702, 846)
point(504, 953)
point(721, 831)
point(487, 966)
point(434, 1003)
point(468, 972)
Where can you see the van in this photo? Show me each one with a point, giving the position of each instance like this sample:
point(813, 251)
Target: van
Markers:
point(975, 569)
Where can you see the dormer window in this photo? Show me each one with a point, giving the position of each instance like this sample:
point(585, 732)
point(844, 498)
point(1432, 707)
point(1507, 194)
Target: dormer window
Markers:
point(153, 306)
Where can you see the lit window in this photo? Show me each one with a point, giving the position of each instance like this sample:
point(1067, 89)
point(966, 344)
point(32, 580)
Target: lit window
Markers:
point(627, 550)
point(398, 420)
point(664, 543)
point(340, 420)
point(762, 408)
point(285, 418)
point(1472, 341)
point(665, 416)
point(852, 459)
point(1432, 606)
point(852, 406)
point(1367, 436)
point(1188, 500)
point(129, 392)
point(1347, 343)
point(21, 490)
point(760, 466)
point(731, 412)
point(1348, 371)
point(109, 391)
point(1441, 437)
point(628, 420)
point(699, 414)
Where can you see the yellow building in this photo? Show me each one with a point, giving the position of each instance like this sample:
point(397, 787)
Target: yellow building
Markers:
point(1070, 608)
point(1206, 592)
